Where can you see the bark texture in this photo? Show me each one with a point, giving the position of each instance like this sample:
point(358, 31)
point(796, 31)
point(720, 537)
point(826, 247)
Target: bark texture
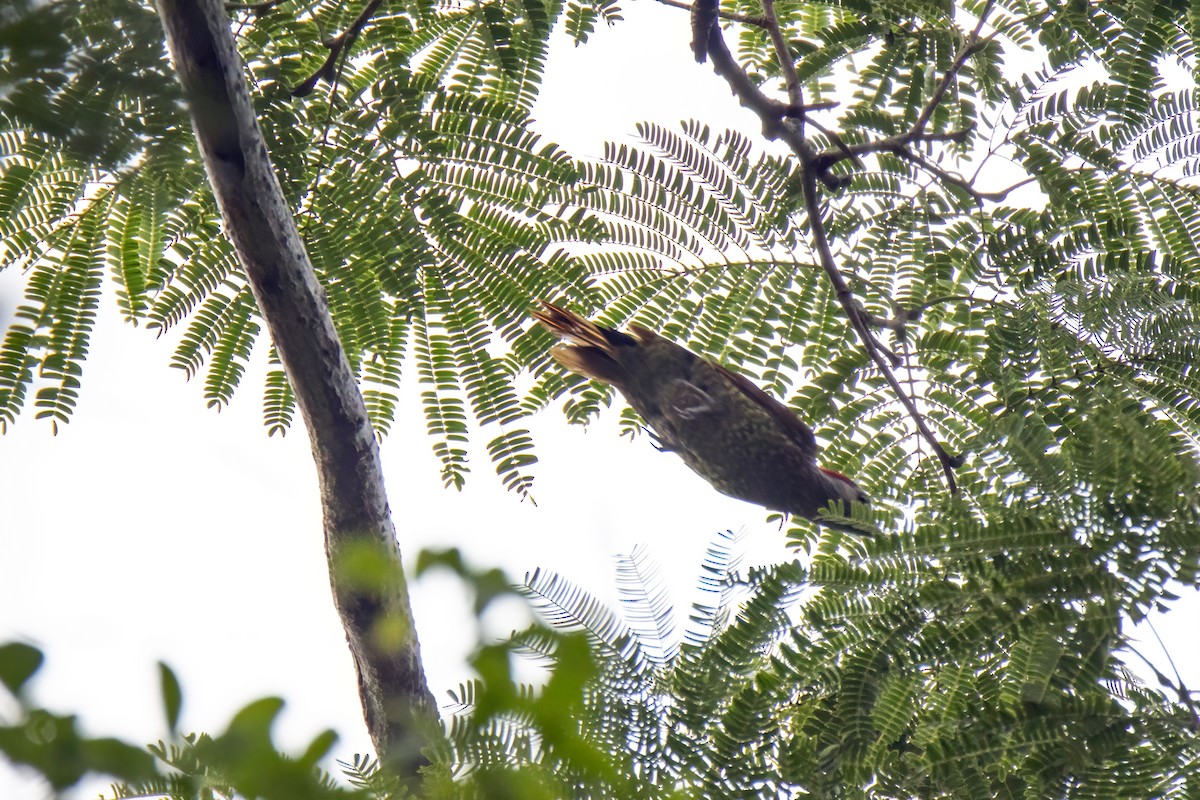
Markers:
point(359, 534)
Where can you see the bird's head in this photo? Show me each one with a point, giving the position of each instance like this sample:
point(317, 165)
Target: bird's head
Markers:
point(839, 487)
point(845, 489)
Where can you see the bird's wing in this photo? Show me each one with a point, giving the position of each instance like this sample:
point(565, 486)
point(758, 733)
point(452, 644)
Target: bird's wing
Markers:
point(800, 433)
point(688, 402)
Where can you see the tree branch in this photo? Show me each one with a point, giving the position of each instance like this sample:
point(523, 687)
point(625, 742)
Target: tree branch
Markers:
point(859, 321)
point(376, 614)
point(745, 19)
point(899, 144)
point(258, 9)
point(969, 48)
point(774, 114)
point(948, 178)
point(816, 167)
point(783, 55)
point(337, 46)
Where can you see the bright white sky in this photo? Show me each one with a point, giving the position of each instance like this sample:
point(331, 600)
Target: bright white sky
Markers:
point(152, 528)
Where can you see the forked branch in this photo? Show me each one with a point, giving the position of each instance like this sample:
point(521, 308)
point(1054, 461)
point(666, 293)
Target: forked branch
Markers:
point(817, 167)
point(338, 47)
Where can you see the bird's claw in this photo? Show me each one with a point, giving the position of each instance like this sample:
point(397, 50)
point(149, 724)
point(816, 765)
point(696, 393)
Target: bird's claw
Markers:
point(658, 442)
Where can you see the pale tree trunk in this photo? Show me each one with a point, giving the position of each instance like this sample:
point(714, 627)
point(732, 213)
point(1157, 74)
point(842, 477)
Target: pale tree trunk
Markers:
point(397, 703)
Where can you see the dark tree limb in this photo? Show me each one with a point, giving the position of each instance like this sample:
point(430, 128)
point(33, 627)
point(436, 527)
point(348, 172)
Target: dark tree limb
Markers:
point(376, 614)
point(774, 114)
point(704, 17)
point(783, 55)
point(897, 145)
point(860, 321)
point(709, 12)
point(816, 167)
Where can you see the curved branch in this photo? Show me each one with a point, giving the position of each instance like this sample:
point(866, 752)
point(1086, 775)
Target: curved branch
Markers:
point(775, 115)
point(860, 322)
point(816, 167)
point(376, 614)
point(786, 63)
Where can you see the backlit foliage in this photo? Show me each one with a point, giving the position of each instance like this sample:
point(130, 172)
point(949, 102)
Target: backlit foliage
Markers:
point(982, 665)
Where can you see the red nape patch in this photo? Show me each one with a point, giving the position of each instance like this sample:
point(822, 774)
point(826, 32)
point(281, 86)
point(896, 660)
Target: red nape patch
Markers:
point(838, 475)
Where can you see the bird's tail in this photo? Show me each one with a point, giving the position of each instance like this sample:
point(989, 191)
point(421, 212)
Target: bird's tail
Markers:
point(589, 349)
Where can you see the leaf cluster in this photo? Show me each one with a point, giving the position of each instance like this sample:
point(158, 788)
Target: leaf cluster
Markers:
point(241, 762)
point(985, 665)
point(435, 217)
point(428, 208)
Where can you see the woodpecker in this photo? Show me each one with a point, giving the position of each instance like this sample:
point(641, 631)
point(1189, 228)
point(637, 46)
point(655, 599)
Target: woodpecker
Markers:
point(730, 432)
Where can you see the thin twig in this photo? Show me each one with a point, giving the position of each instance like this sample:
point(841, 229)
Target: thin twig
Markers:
point(786, 64)
point(337, 46)
point(966, 298)
point(969, 48)
point(258, 8)
point(948, 177)
point(1180, 689)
